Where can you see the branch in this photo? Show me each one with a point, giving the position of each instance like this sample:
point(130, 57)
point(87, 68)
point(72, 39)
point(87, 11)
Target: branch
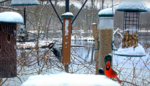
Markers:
point(3, 1)
point(6, 7)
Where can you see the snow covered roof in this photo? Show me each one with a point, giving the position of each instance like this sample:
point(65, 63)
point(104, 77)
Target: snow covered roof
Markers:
point(24, 2)
point(11, 17)
point(132, 5)
point(66, 79)
point(108, 12)
point(67, 15)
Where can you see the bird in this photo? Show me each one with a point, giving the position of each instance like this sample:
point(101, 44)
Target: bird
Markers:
point(109, 72)
point(56, 51)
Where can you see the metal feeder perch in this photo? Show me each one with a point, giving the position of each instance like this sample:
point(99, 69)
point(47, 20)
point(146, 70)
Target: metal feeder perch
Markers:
point(131, 9)
point(8, 61)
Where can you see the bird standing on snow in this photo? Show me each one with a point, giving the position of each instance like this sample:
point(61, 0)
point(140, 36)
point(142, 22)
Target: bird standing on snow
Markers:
point(55, 50)
point(109, 72)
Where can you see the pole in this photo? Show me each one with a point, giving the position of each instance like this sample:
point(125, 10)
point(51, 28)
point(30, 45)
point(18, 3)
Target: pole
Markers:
point(25, 17)
point(78, 12)
point(95, 35)
point(56, 12)
point(67, 5)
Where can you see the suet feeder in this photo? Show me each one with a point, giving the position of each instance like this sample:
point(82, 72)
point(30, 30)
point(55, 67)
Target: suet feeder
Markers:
point(8, 61)
point(131, 9)
point(105, 27)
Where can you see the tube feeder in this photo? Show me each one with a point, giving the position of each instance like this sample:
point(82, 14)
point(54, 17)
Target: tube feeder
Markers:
point(105, 27)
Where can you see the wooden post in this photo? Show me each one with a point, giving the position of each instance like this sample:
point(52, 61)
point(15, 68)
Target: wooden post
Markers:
point(95, 34)
point(66, 40)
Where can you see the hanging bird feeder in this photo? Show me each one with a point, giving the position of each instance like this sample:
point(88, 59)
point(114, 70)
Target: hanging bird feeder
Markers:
point(24, 3)
point(105, 27)
point(130, 46)
point(8, 25)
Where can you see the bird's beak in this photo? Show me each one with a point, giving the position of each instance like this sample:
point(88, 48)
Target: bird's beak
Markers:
point(49, 47)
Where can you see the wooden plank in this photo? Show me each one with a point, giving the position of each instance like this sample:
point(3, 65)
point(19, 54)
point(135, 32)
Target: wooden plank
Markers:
point(66, 41)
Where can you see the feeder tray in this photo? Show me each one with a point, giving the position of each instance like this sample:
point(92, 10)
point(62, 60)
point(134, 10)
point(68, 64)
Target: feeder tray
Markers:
point(131, 52)
point(123, 55)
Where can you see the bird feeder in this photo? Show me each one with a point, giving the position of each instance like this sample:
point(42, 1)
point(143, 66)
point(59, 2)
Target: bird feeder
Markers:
point(131, 9)
point(66, 39)
point(105, 34)
point(24, 3)
point(8, 61)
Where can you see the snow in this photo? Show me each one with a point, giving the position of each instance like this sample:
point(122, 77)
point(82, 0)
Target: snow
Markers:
point(67, 13)
point(131, 30)
point(107, 11)
point(11, 17)
point(106, 22)
point(139, 50)
point(66, 79)
point(32, 44)
point(132, 4)
point(66, 27)
point(93, 23)
point(24, 2)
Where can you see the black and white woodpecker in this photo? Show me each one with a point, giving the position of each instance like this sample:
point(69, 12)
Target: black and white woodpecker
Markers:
point(56, 51)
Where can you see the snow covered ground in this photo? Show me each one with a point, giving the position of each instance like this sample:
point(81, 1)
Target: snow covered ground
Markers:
point(67, 79)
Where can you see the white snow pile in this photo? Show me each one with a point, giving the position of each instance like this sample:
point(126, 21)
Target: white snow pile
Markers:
point(66, 27)
point(67, 13)
point(11, 17)
point(132, 4)
point(106, 11)
point(139, 50)
point(66, 79)
point(24, 2)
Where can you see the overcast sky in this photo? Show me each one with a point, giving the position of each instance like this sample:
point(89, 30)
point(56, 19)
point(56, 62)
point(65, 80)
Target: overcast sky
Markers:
point(97, 2)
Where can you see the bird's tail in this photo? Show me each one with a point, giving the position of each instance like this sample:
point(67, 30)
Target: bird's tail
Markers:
point(118, 80)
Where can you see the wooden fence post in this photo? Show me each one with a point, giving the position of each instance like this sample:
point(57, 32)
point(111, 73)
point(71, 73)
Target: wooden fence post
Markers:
point(95, 34)
point(66, 39)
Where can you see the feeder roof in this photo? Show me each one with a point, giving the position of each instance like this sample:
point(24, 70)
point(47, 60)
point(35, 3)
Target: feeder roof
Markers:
point(132, 5)
point(11, 17)
point(67, 14)
point(108, 12)
point(24, 2)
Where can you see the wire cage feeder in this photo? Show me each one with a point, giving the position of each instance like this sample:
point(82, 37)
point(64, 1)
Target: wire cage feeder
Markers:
point(130, 29)
point(131, 25)
point(131, 22)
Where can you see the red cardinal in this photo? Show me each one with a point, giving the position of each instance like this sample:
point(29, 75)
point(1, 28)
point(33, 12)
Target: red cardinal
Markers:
point(109, 72)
